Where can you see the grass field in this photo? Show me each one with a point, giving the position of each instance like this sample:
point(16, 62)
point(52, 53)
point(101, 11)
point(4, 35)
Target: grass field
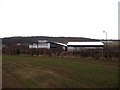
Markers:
point(44, 72)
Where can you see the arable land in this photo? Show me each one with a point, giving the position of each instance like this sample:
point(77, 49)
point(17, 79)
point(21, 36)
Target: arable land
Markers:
point(52, 72)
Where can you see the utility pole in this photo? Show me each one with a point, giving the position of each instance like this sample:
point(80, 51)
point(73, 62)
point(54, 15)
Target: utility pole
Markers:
point(106, 36)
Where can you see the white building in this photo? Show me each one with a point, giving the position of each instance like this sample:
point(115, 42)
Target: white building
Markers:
point(76, 46)
point(34, 45)
point(48, 45)
point(43, 44)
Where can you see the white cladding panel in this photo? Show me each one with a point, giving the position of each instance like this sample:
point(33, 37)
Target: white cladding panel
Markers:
point(73, 48)
point(34, 45)
point(30, 46)
point(44, 45)
point(79, 48)
point(40, 45)
point(93, 47)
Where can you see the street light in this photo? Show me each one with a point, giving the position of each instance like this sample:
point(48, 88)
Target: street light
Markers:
point(106, 36)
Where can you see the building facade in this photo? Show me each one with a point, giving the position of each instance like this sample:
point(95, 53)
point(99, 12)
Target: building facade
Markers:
point(77, 46)
point(48, 45)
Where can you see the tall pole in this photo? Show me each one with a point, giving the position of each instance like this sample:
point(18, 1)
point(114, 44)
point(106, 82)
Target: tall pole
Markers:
point(106, 36)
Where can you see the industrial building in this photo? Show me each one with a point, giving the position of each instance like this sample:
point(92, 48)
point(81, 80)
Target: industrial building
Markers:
point(48, 45)
point(71, 46)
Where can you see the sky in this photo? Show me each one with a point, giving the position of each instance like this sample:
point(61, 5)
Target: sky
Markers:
point(59, 18)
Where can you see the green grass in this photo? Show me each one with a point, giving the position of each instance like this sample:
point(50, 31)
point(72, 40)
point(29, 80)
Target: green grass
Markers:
point(44, 72)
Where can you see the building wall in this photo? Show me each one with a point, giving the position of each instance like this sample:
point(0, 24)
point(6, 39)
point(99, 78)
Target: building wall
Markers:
point(30, 46)
point(34, 45)
point(40, 45)
point(73, 48)
point(70, 48)
point(47, 45)
point(44, 45)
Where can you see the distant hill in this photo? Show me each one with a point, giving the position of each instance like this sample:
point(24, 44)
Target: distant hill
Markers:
point(27, 40)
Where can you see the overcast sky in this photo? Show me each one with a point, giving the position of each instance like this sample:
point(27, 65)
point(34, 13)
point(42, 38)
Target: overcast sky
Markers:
point(68, 18)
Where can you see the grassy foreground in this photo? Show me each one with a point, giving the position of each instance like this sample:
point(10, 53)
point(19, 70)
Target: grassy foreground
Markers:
point(44, 72)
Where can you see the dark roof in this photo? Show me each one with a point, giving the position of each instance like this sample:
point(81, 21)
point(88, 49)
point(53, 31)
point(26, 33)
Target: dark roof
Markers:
point(61, 44)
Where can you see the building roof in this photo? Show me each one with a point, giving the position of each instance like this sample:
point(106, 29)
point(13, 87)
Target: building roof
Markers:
point(42, 41)
point(85, 44)
point(62, 44)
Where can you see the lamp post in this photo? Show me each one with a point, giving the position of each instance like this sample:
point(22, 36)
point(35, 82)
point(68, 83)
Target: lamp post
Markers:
point(106, 36)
